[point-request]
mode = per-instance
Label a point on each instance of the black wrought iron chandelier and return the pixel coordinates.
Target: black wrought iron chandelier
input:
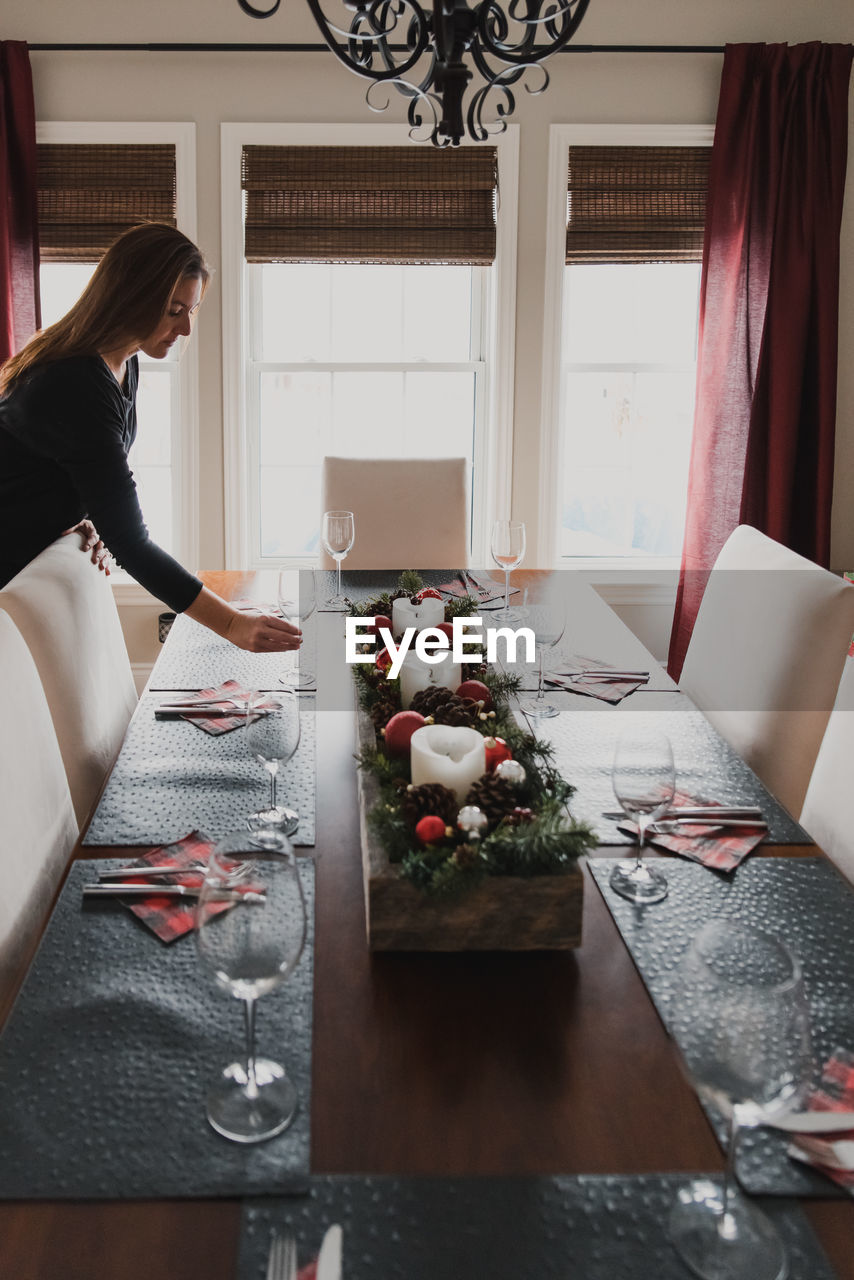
(421, 52)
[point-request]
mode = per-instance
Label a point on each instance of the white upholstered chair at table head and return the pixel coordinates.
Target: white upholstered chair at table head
(63, 606)
(410, 513)
(827, 811)
(37, 824)
(766, 656)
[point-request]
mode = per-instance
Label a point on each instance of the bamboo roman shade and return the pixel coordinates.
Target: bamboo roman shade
(370, 204)
(636, 204)
(88, 194)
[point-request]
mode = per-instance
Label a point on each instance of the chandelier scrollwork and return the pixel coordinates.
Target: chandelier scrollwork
(429, 55)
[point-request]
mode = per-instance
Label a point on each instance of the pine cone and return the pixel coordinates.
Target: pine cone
(494, 796)
(430, 797)
(444, 706)
(466, 855)
(386, 706)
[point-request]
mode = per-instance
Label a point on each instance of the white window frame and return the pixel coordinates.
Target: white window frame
(492, 463)
(561, 137)
(185, 441)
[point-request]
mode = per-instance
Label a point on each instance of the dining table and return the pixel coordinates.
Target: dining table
(423, 1064)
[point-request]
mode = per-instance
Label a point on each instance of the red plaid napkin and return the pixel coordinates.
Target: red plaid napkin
(601, 687)
(226, 694)
(308, 1272)
(721, 848)
(835, 1092)
(482, 591)
(170, 918)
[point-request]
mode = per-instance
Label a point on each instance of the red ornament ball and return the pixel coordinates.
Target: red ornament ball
(477, 691)
(430, 830)
(427, 593)
(496, 751)
(448, 628)
(381, 621)
(399, 731)
(383, 660)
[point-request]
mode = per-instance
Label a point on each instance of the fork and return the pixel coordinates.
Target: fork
(282, 1258)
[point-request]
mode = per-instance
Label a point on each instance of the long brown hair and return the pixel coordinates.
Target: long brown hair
(123, 302)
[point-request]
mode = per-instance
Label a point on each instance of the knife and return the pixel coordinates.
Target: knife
(148, 873)
(115, 890)
(329, 1258)
(698, 811)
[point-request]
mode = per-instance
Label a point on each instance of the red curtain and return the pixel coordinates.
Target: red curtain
(765, 416)
(20, 313)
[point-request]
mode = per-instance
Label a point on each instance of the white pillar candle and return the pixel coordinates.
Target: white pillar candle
(429, 613)
(453, 755)
(415, 675)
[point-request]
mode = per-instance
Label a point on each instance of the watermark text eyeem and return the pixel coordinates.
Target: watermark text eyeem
(466, 644)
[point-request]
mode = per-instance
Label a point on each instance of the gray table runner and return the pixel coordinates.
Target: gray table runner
(593, 1228)
(805, 903)
(706, 765)
(108, 1053)
(172, 778)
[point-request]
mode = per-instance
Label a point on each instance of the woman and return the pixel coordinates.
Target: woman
(68, 419)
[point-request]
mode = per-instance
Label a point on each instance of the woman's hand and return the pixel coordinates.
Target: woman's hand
(91, 542)
(263, 633)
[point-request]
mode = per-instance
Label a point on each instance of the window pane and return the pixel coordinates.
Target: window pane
(631, 313)
(60, 285)
(295, 418)
(290, 510)
(626, 444)
(153, 444)
(358, 312)
(439, 415)
(154, 486)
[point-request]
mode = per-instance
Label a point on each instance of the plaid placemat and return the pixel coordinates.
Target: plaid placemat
(219, 700)
(834, 1092)
(171, 918)
(721, 848)
(606, 688)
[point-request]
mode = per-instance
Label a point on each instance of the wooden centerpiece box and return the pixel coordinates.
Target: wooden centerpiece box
(500, 913)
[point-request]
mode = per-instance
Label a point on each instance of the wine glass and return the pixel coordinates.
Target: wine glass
(273, 738)
(744, 1036)
(250, 932)
(337, 537)
(644, 779)
(507, 545)
(548, 623)
(298, 607)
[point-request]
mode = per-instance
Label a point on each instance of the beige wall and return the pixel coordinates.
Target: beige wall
(208, 88)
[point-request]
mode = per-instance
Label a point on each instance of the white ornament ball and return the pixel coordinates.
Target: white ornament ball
(511, 771)
(472, 819)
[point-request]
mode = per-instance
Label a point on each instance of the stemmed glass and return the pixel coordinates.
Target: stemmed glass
(298, 609)
(548, 623)
(337, 537)
(250, 932)
(273, 738)
(744, 1035)
(644, 779)
(507, 546)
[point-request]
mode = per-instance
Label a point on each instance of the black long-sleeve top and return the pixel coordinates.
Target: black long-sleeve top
(65, 432)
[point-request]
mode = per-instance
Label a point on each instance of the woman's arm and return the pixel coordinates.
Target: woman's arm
(260, 633)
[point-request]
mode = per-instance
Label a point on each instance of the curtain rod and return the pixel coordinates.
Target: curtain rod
(322, 48)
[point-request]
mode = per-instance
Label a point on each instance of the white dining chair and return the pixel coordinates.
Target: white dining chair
(38, 829)
(410, 513)
(766, 656)
(64, 608)
(827, 812)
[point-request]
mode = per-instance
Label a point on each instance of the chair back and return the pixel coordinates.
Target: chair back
(410, 513)
(766, 656)
(64, 608)
(826, 814)
(38, 829)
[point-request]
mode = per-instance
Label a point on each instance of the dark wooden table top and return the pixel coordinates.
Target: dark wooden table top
(428, 1063)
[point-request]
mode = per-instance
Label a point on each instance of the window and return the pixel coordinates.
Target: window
(387, 351)
(94, 182)
(625, 360)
